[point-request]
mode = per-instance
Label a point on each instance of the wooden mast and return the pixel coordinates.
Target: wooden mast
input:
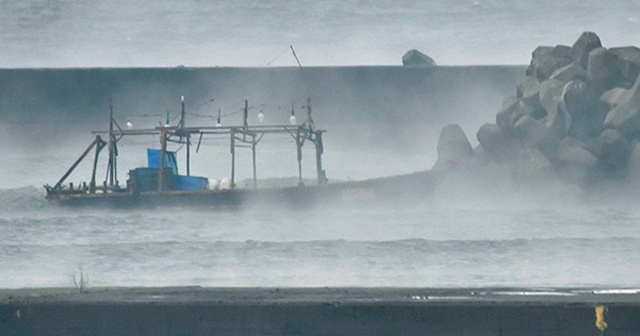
(163, 151)
(233, 157)
(322, 177)
(253, 159)
(112, 159)
(299, 144)
(188, 135)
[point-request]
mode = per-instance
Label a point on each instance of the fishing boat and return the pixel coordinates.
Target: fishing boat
(160, 183)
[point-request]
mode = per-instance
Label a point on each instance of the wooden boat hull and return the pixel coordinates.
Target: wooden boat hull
(394, 189)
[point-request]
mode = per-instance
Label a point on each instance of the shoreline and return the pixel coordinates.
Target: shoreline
(273, 295)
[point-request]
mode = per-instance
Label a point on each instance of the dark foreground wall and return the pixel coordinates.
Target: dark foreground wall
(315, 312)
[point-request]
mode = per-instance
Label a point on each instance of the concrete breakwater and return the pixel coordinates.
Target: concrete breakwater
(576, 117)
(328, 311)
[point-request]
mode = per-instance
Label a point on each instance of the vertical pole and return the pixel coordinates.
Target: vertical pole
(322, 178)
(182, 113)
(189, 155)
(309, 119)
(111, 145)
(253, 152)
(299, 151)
(245, 115)
(233, 158)
(183, 122)
(106, 177)
(163, 151)
(115, 161)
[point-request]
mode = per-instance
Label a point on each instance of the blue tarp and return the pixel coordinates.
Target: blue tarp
(182, 182)
(153, 159)
(147, 177)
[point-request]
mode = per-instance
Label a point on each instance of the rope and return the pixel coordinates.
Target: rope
(273, 60)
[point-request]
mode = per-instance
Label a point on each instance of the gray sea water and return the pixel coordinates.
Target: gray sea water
(463, 238)
(45, 33)
(431, 244)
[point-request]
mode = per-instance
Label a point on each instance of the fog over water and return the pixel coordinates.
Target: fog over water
(380, 121)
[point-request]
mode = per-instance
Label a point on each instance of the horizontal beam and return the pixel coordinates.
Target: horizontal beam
(251, 130)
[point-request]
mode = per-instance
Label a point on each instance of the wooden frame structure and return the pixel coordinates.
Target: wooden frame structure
(243, 135)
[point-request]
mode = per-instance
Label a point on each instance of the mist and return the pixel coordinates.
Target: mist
(380, 121)
(64, 63)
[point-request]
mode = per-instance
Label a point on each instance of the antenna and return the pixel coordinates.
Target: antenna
(245, 115)
(182, 112)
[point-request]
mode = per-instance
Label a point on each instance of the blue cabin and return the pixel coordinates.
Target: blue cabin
(146, 178)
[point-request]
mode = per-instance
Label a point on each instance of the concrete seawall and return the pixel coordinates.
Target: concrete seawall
(380, 100)
(329, 311)
(395, 93)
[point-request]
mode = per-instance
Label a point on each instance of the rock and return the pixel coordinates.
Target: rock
(625, 115)
(589, 123)
(512, 110)
(550, 92)
(496, 144)
(602, 69)
(529, 92)
(629, 64)
(574, 115)
(624, 118)
(546, 60)
(504, 116)
(558, 120)
(561, 51)
(612, 97)
(573, 162)
(532, 133)
(417, 59)
(569, 72)
(532, 166)
(535, 56)
(453, 146)
(583, 46)
(612, 149)
(631, 96)
(479, 152)
(576, 97)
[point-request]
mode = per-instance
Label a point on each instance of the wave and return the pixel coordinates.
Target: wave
(411, 262)
(23, 198)
(416, 245)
